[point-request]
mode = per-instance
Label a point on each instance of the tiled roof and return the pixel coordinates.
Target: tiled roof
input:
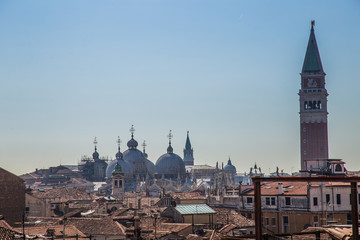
(97, 226)
(187, 195)
(186, 209)
(232, 216)
(4, 224)
(70, 230)
(63, 194)
(271, 188)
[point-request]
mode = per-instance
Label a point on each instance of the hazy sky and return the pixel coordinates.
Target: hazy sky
(227, 71)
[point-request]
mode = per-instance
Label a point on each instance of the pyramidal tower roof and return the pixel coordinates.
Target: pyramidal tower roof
(187, 144)
(312, 61)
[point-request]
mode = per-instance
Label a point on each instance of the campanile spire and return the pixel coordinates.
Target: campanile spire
(313, 107)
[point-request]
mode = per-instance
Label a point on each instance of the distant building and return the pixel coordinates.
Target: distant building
(93, 169)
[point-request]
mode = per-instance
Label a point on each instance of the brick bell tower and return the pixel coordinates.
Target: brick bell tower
(313, 106)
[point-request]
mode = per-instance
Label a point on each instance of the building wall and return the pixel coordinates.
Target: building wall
(35, 207)
(12, 197)
(191, 201)
(199, 219)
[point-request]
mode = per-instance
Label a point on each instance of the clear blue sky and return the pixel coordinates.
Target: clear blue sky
(227, 71)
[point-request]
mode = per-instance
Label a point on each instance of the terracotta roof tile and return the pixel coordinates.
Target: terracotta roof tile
(97, 226)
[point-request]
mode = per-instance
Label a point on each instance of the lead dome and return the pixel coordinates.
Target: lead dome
(170, 164)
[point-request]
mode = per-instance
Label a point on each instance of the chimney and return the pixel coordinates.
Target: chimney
(280, 188)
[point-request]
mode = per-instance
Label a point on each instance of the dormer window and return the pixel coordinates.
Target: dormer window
(338, 168)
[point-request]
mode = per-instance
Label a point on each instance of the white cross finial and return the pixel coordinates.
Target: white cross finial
(132, 130)
(170, 136)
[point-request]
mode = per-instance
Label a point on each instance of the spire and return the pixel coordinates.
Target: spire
(170, 149)
(312, 61)
(144, 145)
(132, 143)
(229, 161)
(188, 144)
(188, 152)
(95, 143)
(119, 155)
(95, 154)
(132, 130)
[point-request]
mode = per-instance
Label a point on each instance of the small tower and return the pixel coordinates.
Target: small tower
(118, 182)
(188, 152)
(313, 107)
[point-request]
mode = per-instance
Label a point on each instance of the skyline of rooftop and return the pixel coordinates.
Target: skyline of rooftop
(226, 72)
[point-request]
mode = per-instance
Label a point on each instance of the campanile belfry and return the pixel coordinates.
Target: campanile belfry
(313, 106)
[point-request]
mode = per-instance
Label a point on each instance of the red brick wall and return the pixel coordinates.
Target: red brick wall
(12, 197)
(316, 144)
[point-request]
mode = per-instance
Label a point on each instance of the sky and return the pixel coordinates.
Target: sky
(226, 71)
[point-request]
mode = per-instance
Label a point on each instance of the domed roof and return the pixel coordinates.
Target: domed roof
(229, 166)
(137, 160)
(170, 163)
(132, 143)
(117, 168)
(95, 155)
(125, 168)
(119, 155)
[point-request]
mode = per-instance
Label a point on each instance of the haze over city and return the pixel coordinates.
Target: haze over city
(227, 71)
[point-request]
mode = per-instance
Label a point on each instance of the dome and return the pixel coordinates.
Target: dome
(95, 155)
(137, 161)
(170, 163)
(229, 166)
(125, 168)
(117, 168)
(119, 155)
(132, 143)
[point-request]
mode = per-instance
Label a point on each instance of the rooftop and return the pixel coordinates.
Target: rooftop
(186, 209)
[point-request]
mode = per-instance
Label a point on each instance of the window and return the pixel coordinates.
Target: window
(287, 201)
(273, 222)
(316, 221)
(315, 201)
(338, 168)
(249, 200)
(249, 216)
(285, 220)
(348, 218)
(272, 201)
(338, 199)
(266, 221)
(267, 201)
(327, 196)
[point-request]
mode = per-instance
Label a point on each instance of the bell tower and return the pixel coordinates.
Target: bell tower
(313, 107)
(188, 152)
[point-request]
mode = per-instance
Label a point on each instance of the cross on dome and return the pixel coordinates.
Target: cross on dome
(132, 130)
(170, 136)
(95, 142)
(144, 145)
